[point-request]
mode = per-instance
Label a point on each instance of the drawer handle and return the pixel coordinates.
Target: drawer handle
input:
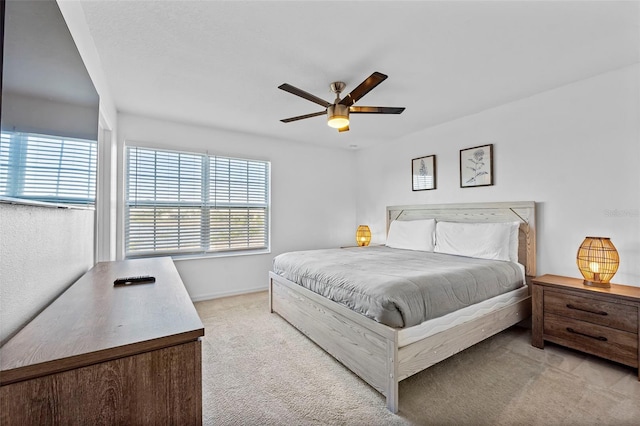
(601, 338)
(570, 306)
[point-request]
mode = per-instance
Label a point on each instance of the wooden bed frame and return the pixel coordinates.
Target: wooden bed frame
(381, 355)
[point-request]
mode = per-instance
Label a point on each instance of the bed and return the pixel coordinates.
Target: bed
(383, 355)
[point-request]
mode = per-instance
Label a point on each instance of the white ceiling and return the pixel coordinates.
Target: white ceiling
(219, 63)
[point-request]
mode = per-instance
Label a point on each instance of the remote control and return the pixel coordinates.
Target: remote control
(141, 279)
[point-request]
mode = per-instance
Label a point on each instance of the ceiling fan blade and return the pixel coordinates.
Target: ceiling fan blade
(302, 117)
(343, 129)
(375, 110)
(306, 95)
(364, 88)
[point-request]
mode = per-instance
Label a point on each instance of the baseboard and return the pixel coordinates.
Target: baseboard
(219, 295)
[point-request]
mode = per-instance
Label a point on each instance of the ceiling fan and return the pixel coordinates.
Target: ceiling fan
(338, 111)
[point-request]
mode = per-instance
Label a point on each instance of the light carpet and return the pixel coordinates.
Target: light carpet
(259, 370)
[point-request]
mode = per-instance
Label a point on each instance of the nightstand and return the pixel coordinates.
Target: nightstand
(599, 321)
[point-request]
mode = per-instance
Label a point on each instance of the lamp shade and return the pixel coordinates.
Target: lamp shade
(598, 261)
(338, 116)
(363, 235)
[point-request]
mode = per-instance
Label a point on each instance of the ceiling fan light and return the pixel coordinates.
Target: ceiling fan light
(338, 116)
(338, 122)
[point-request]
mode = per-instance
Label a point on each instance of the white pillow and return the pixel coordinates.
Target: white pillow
(514, 241)
(481, 240)
(412, 234)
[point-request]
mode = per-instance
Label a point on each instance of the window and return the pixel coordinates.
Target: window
(47, 168)
(188, 203)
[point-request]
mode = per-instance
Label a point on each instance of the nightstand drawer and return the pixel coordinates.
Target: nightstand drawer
(616, 345)
(615, 315)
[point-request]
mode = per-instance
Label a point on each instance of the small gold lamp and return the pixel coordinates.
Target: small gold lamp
(598, 261)
(363, 235)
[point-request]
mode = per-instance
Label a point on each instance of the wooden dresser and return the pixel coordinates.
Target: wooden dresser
(599, 321)
(108, 355)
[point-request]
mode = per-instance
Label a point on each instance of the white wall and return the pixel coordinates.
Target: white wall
(74, 17)
(312, 198)
(574, 150)
(42, 251)
(106, 186)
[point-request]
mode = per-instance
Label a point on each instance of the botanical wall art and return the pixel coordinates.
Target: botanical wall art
(423, 173)
(476, 166)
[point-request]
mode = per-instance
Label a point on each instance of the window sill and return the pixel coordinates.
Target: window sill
(222, 254)
(198, 256)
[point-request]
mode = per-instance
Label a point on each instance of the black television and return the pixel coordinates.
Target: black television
(46, 88)
(46, 91)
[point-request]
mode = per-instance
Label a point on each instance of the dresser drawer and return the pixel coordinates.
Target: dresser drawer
(606, 342)
(596, 311)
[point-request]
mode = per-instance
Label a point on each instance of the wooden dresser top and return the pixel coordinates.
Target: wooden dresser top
(93, 321)
(620, 291)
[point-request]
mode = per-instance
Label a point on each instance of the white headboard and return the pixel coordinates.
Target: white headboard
(521, 211)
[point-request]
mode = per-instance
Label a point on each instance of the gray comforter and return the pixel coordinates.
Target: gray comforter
(399, 288)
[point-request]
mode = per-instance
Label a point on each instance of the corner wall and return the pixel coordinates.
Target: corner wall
(575, 150)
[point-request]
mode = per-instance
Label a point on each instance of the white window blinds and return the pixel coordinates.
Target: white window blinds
(187, 203)
(47, 168)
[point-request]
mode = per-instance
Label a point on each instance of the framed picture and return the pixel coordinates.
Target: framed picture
(423, 173)
(476, 166)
